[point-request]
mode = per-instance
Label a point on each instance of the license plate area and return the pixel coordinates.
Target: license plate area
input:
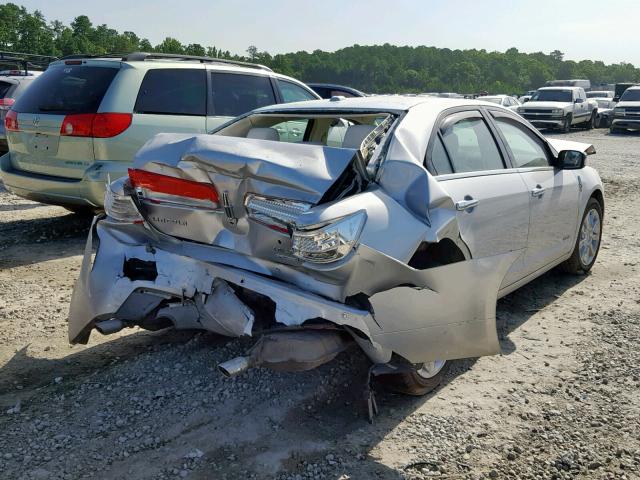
(44, 145)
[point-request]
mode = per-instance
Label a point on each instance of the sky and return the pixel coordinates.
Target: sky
(582, 29)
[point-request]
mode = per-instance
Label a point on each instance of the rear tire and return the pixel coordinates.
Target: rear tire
(420, 380)
(588, 242)
(566, 124)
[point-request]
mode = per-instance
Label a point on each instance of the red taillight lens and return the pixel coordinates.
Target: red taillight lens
(158, 183)
(97, 125)
(107, 125)
(78, 125)
(5, 103)
(11, 121)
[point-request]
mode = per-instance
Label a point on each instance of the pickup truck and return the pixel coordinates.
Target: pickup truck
(560, 108)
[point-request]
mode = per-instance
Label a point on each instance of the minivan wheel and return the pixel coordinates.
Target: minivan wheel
(566, 124)
(588, 242)
(419, 380)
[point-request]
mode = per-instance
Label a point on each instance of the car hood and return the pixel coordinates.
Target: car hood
(627, 104)
(532, 104)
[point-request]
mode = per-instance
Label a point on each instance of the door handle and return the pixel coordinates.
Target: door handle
(538, 191)
(466, 204)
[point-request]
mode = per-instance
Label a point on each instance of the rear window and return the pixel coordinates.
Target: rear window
(233, 94)
(67, 89)
(173, 91)
(4, 88)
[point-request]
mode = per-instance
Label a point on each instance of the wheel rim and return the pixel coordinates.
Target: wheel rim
(431, 369)
(589, 237)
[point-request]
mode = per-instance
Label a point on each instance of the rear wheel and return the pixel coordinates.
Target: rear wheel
(587, 245)
(566, 124)
(420, 380)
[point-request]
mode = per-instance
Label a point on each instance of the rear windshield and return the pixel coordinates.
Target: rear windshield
(4, 88)
(67, 89)
(631, 96)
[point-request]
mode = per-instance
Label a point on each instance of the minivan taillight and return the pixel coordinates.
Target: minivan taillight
(11, 121)
(97, 125)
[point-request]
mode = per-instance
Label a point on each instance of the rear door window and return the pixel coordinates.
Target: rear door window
(67, 89)
(294, 93)
(173, 91)
(233, 94)
(470, 145)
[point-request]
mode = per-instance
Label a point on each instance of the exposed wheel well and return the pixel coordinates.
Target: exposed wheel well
(429, 255)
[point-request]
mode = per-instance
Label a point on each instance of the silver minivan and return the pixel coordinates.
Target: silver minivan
(82, 121)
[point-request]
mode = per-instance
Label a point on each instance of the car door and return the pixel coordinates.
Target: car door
(492, 201)
(232, 94)
(580, 106)
(553, 193)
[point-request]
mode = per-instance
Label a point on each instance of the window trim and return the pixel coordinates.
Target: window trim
(211, 112)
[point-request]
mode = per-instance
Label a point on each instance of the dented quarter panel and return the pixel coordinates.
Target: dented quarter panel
(421, 320)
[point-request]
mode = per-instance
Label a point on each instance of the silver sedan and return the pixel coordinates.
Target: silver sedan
(390, 223)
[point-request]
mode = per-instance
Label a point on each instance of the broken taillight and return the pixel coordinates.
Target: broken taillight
(159, 188)
(276, 213)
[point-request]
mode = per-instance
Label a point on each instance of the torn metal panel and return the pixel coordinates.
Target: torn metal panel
(443, 313)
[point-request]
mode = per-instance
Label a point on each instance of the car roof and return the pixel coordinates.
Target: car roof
(374, 102)
(561, 88)
(501, 95)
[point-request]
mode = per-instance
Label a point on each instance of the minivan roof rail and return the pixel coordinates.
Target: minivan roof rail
(27, 60)
(142, 56)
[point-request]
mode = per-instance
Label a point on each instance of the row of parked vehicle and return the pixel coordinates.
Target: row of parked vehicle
(390, 223)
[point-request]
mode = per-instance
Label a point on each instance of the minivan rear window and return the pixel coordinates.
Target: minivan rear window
(173, 91)
(67, 89)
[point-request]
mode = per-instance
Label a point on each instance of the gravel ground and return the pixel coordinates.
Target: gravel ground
(561, 401)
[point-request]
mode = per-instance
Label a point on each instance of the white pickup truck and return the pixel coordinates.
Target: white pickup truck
(560, 107)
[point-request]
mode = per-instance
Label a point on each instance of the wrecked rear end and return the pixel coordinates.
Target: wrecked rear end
(309, 247)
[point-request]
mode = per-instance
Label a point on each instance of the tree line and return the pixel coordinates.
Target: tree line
(375, 68)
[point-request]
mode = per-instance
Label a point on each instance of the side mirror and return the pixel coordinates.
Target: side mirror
(579, 100)
(525, 100)
(571, 160)
(616, 99)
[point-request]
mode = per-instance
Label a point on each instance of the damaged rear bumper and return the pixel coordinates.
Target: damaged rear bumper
(124, 278)
(443, 313)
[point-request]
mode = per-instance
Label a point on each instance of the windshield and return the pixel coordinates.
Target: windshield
(631, 96)
(552, 96)
(497, 100)
(67, 89)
